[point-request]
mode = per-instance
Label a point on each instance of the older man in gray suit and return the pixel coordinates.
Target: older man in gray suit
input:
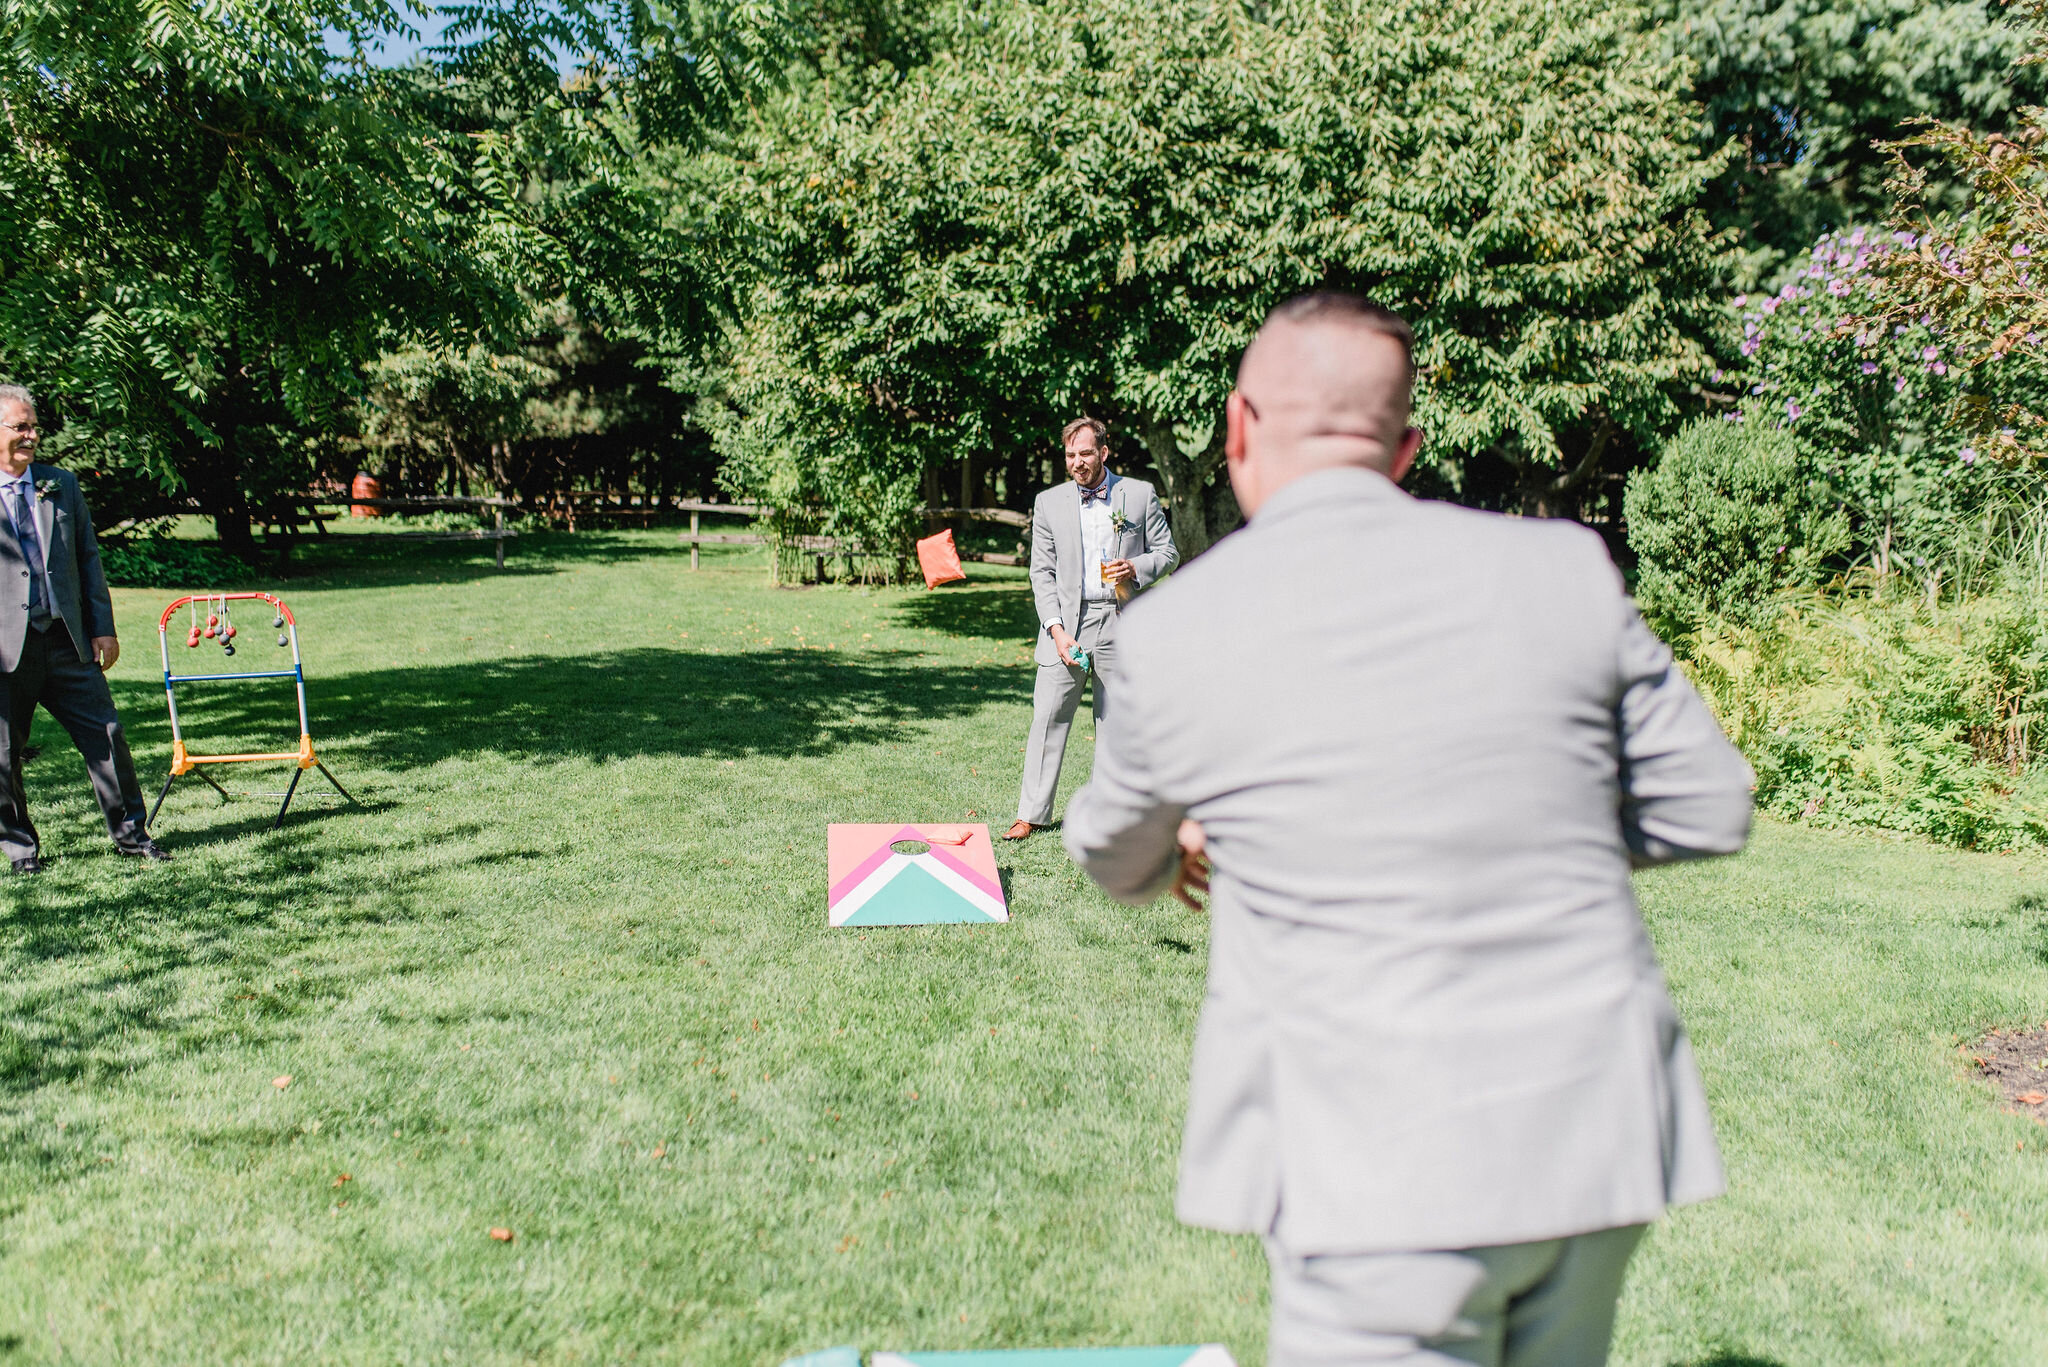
(1413, 750)
(1095, 541)
(56, 641)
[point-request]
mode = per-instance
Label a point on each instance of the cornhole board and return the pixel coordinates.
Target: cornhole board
(954, 881)
(1195, 1355)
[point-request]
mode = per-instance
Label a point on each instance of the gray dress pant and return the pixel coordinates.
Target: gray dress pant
(1054, 697)
(76, 694)
(1547, 1304)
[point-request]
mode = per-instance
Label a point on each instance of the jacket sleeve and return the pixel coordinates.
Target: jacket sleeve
(1685, 789)
(1045, 588)
(1119, 828)
(93, 599)
(1157, 562)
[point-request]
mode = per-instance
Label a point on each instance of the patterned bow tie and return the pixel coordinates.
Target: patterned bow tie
(1099, 492)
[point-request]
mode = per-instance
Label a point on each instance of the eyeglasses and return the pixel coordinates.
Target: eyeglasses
(23, 428)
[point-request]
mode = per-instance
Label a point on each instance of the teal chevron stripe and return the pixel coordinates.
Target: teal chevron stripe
(915, 898)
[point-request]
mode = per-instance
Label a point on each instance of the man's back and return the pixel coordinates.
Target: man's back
(1434, 1017)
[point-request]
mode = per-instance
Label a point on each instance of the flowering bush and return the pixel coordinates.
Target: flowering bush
(1868, 398)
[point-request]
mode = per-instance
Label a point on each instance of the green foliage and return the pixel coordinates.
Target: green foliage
(1863, 713)
(1722, 522)
(1090, 206)
(167, 562)
(1972, 270)
(1805, 89)
(209, 223)
(1868, 393)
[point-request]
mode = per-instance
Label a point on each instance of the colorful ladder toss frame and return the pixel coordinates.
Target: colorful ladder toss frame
(951, 881)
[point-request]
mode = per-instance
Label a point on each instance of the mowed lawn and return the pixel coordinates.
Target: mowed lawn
(566, 973)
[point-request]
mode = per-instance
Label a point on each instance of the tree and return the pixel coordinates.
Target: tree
(209, 223)
(1807, 89)
(1090, 206)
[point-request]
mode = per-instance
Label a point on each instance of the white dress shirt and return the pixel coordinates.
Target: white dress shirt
(1098, 543)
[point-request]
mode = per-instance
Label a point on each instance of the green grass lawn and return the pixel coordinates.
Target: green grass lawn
(566, 972)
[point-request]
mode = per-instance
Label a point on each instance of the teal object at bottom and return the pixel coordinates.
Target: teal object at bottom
(1055, 1357)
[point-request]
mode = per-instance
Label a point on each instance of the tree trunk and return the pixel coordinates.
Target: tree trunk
(1187, 481)
(1544, 494)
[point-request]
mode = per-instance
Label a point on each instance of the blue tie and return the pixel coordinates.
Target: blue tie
(24, 515)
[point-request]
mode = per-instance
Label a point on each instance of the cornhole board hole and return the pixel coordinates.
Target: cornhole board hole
(911, 874)
(1194, 1355)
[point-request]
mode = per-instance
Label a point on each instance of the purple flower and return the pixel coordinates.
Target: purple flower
(2021, 249)
(1770, 306)
(1930, 353)
(1838, 288)
(1899, 385)
(1792, 410)
(1789, 292)
(1870, 367)
(2033, 338)
(1749, 345)
(1939, 368)
(1741, 300)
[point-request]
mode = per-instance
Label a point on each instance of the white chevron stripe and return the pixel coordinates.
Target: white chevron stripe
(881, 878)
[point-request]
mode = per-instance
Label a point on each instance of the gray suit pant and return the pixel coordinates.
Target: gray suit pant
(1054, 697)
(76, 694)
(1547, 1304)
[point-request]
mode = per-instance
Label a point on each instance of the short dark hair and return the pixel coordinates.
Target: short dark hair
(1095, 425)
(1343, 306)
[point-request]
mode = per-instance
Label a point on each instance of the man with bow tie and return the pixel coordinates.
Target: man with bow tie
(56, 641)
(1095, 541)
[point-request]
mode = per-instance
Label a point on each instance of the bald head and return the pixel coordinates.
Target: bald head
(1325, 383)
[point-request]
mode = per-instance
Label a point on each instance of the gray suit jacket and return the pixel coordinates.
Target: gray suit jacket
(1056, 570)
(1426, 744)
(78, 587)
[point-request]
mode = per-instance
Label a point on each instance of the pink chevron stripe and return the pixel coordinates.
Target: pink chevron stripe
(974, 876)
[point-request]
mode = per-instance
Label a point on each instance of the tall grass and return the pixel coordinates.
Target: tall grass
(1912, 700)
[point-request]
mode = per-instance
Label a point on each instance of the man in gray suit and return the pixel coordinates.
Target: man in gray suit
(1095, 541)
(56, 641)
(1412, 751)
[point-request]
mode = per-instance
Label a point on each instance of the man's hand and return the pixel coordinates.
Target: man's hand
(1119, 572)
(106, 650)
(1063, 641)
(1191, 879)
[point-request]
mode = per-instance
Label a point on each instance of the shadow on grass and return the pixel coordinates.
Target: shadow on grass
(611, 705)
(1001, 612)
(1727, 1359)
(115, 1006)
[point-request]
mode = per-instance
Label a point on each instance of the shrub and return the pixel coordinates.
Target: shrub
(1864, 713)
(165, 562)
(1721, 523)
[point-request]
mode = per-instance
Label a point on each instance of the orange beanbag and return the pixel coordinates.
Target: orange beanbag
(939, 561)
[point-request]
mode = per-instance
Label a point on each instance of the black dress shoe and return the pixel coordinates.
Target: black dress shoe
(28, 865)
(150, 852)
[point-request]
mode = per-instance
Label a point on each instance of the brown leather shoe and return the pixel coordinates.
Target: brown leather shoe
(1019, 830)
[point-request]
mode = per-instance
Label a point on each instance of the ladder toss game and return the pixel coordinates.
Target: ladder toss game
(211, 618)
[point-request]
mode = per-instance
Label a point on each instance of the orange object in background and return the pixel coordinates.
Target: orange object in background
(363, 486)
(939, 560)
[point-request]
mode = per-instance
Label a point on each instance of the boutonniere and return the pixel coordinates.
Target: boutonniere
(1118, 521)
(46, 489)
